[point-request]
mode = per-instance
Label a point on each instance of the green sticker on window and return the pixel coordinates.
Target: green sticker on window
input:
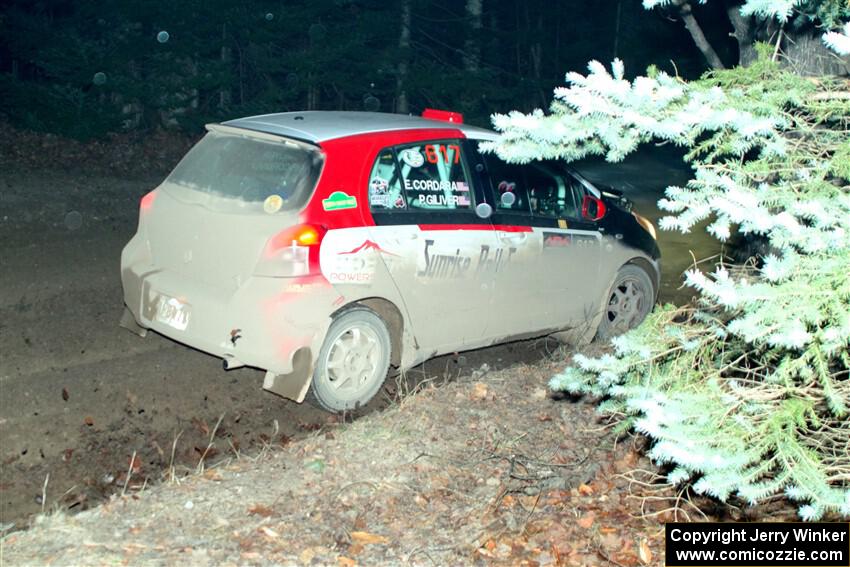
(339, 200)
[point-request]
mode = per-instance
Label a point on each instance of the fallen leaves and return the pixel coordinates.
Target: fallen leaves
(89, 421)
(202, 426)
(260, 510)
(135, 463)
(65, 395)
(367, 538)
(479, 391)
(587, 520)
(268, 532)
(644, 553)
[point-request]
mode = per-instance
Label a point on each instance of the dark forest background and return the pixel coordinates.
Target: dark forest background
(86, 68)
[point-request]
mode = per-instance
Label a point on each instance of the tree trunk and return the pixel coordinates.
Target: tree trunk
(617, 28)
(687, 15)
(744, 33)
(226, 57)
(402, 104)
(805, 54)
(472, 46)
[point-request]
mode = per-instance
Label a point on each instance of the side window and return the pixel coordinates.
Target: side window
(385, 184)
(434, 176)
(551, 193)
(507, 177)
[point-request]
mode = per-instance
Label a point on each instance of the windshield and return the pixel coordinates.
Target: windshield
(226, 170)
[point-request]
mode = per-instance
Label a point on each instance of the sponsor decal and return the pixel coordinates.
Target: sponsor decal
(399, 202)
(382, 201)
(302, 287)
(378, 193)
(367, 245)
(457, 265)
(272, 204)
(436, 185)
(355, 266)
(441, 152)
(339, 200)
(563, 240)
(412, 157)
(556, 239)
(435, 200)
(378, 186)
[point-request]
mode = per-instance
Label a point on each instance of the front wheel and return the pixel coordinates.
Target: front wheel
(353, 361)
(629, 302)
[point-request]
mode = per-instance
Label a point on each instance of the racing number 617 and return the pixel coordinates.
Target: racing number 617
(434, 153)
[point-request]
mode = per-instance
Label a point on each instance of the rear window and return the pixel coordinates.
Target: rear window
(417, 177)
(246, 173)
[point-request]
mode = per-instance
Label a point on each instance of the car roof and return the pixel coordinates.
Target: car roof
(317, 126)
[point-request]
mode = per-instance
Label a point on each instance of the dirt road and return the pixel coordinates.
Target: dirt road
(83, 402)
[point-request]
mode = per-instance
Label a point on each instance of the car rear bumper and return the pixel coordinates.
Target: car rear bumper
(263, 322)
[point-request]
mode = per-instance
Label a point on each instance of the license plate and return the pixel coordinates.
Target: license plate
(173, 312)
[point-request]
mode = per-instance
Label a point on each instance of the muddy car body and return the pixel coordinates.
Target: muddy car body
(325, 247)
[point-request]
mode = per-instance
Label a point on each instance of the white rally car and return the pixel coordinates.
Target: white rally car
(327, 247)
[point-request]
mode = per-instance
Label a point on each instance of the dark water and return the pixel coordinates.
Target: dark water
(643, 177)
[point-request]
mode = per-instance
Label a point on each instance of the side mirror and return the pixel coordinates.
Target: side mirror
(592, 209)
(483, 210)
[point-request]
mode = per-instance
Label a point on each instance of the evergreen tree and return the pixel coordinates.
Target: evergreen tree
(745, 392)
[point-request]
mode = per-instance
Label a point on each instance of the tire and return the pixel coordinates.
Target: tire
(630, 300)
(353, 361)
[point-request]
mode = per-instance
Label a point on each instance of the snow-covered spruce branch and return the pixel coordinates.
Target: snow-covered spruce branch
(839, 41)
(749, 394)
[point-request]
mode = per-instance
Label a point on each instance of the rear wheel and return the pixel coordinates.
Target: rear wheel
(629, 302)
(353, 361)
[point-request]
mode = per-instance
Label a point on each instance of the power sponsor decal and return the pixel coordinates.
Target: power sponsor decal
(355, 266)
(339, 200)
(367, 245)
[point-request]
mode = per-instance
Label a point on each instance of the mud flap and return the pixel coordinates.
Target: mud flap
(128, 321)
(295, 384)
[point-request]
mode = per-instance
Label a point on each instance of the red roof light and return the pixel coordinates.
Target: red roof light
(443, 115)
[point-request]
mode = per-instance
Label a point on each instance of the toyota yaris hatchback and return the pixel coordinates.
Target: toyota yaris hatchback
(328, 247)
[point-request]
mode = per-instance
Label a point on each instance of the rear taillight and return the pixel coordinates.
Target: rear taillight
(147, 201)
(292, 252)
